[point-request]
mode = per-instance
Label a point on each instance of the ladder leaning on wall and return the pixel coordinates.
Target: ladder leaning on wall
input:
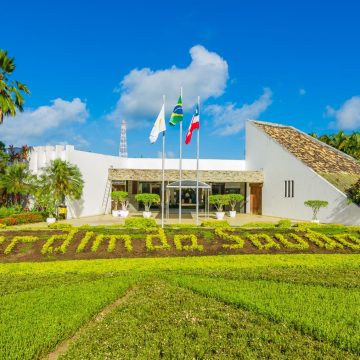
(106, 197)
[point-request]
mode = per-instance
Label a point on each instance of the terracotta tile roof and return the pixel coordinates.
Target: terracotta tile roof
(318, 156)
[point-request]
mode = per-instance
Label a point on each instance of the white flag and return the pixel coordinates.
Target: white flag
(159, 126)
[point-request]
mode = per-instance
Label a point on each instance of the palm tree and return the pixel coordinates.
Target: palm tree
(11, 91)
(17, 181)
(62, 180)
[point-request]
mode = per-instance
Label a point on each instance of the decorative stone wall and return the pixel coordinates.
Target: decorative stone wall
(173, 175)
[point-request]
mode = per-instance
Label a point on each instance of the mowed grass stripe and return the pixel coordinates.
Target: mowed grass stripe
(160, 320)
(328, 314)
(32, 323)
(343, 276)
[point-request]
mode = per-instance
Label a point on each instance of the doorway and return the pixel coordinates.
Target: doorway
(256, 199)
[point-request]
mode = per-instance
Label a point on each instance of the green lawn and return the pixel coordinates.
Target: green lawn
(223, 307)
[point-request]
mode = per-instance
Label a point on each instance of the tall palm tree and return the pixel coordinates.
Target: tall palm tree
(11, 91)
(17, 181)
(63, 180)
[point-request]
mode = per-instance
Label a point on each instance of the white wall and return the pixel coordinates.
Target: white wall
(94, 168)
(263, 153)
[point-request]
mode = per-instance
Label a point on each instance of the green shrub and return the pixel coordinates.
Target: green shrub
(259, 225)
(194, 244)
(148, 199)
(120, 197)
(60, 226)
(6, 212)
(284, 224)
(316, 205)
(140, 223)
(233, 199)
(219, 201)
(215, 223)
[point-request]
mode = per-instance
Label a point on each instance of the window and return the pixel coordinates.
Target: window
(289, 188)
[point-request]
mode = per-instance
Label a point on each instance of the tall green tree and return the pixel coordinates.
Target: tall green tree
(11, 91)
(17, 181)
(62, 180)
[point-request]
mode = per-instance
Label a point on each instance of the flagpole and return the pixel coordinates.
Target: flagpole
(197, 166)
(180, 165)
(163, 172)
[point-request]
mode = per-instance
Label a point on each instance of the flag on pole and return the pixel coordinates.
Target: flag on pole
(194, 124)
(177, 114)
(159, 126)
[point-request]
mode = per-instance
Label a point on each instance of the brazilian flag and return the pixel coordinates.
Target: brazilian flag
(177, 114)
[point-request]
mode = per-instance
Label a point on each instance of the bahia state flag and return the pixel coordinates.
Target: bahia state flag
(159, 126)
(195, 124)
(177, 114)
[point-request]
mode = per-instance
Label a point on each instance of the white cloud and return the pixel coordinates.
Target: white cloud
(142, 89)
(302, 92)
(33, 125)
(229, 119)
(347, 117)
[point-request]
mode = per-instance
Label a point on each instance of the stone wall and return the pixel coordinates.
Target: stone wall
(173, 175)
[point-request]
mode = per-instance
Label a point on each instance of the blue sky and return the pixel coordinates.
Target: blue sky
(89, 64)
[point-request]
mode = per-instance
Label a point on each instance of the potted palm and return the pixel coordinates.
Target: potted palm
(234, 199)
(219, 201)
(147, 200)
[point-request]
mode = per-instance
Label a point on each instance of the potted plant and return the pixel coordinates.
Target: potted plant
(147, 200)
(316, 205)
(115, 198)
(233, 199)
(45, 203)
(219, 201)
(124, 202)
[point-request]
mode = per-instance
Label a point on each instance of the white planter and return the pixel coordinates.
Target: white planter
(232, 214)
(220, 215)
(50, 220)
(124, 213)
(115, 213)
(147, 214)
(315, 221)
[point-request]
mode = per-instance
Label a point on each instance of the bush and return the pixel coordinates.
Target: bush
(120, 197)
(353, 193)
(267, 225)
(59, 226)
(28, 217)
(219, 201)
(148, 199)
(316, 205)
(284, 224)
(215, 223)
(140, 223)
(8, 221)
(6, 212)
(233, 199)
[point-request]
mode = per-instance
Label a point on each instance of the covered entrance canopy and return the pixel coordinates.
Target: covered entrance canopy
(189, 184)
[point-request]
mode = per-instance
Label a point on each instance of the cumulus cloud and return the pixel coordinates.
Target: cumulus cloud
(142, 89)
(34, 124)
(347, 117)
(229, 119)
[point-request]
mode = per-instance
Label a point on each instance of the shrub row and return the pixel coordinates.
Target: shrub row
(22, 218)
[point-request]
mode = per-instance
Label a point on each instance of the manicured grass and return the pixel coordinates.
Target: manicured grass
(236, 306)
(36, 315)
(162, 321)
(330, 314)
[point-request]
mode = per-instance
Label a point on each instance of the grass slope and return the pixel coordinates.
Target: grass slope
(163, 321)
(246, 306)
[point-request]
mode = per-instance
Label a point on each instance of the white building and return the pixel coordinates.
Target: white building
(283, 167)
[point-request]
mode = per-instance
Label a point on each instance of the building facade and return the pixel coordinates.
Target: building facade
(283, 167)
